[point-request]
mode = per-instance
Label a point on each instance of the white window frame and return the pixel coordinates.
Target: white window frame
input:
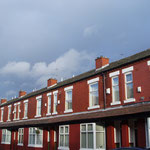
(38, 99)
(15, 111)
(91, 82)
(55, 100)
(2, 114)
(148, 62)
(18, 116)
(130, 99)
(8, 133)
(63, 134)
(35, 145)
(25, 109)
(114, 102)
(9, 113)
(49, 104)
(68, 89)
(94, 136)
(21, 134)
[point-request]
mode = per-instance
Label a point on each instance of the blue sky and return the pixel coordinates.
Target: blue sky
(55, 38)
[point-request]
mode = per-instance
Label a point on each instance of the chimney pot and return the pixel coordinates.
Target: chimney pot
(51, 82)
(101, 62)
(22, 93)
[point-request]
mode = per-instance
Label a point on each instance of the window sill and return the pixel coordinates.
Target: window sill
(8, 120)
(115, 103)
(129, 100)
(25, 118)
(55, 113)
(1, 121)
(35, 146)
(37, 116)
(20, 144)
(5, 143)
(93, 107)
(48, 114)
(68, 111)
(63, 148)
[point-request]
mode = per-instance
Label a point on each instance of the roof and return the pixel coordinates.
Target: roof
(111, 66)
(138, 110)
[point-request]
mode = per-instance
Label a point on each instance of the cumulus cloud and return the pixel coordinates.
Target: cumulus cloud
(90, 30)
(72, 62)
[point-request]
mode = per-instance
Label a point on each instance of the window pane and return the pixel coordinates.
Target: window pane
(66, 140)
(115, 81)
(90, 127)
(61, 140)
(39, 139)
(94, 87)
(66, 130)
(99, 140)
(83, 128)
(83, 140)
(90, 139)
(128, 77)
(116, 93)
(129, 90)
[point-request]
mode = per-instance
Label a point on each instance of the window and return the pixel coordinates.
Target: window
(92, 136)
(55, 102)
(20, 136)
(6, 136)
(15, 111)
(35, 137)
(25, 109)
(38, 106)
(64, 136)
(115, 89)
(2, 113)
(9, 113)
(49, 103)
(129, 85)
(18, 111)
(68, 99)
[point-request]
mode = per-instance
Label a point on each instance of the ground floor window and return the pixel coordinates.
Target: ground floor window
(92, 136)
(64, 136)
(35, 137)
(20, 136)
(6, 136)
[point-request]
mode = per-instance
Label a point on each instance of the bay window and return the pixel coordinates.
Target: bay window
(35, 137)
(64, 136)
(6, 136)
(20, 136)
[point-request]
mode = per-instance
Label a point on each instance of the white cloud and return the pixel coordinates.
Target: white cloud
(72, 62)
(90, 30)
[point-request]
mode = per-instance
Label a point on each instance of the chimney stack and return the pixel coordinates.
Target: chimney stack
(3, 100)
(22, 93)
(51, 82)
(101, 62)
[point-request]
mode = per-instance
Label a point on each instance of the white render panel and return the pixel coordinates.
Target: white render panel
(148, 63)
(55, 92)
(68, 88)
(48, 94)
(38, 97)
(93, 80)
(127, 69)
(112, 74)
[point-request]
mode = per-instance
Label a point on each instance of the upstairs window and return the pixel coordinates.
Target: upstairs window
(68, 99)
(20, 136)
(38, 106)
(19, 111)
(9, 113)
(55, 102)
(35, 137)
(115, 89)
(25, 109)
(49, 103)
(6, 136)
(129, 85)
(2, 114)
(64, 136)
(15, 111)
(93, 93)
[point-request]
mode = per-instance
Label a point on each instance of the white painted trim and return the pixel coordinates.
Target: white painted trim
(5, 142)
(115, 103)
(39, 97)
(102, 67)
(127, 69)
(48, 114)
(54, 113)
(26, 101)
(25, 118)
(18, 103)
(148, 63)
(15, 104)
(48, 94)
(31, 145)
(112, 74)
(55, 92)
(68, 88)
(68, 111)
(52, 85)
(93, 80)
(129, 100)
(63, 148)
(9, 106)
(2, 108)
(20, 144)
(93, 107)
(37, 116)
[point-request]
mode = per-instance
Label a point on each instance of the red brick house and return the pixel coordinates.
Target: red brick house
(104, 108)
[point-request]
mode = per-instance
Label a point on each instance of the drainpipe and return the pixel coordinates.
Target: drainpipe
(104, 90)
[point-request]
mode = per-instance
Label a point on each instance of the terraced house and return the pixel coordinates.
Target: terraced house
(104, 108)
